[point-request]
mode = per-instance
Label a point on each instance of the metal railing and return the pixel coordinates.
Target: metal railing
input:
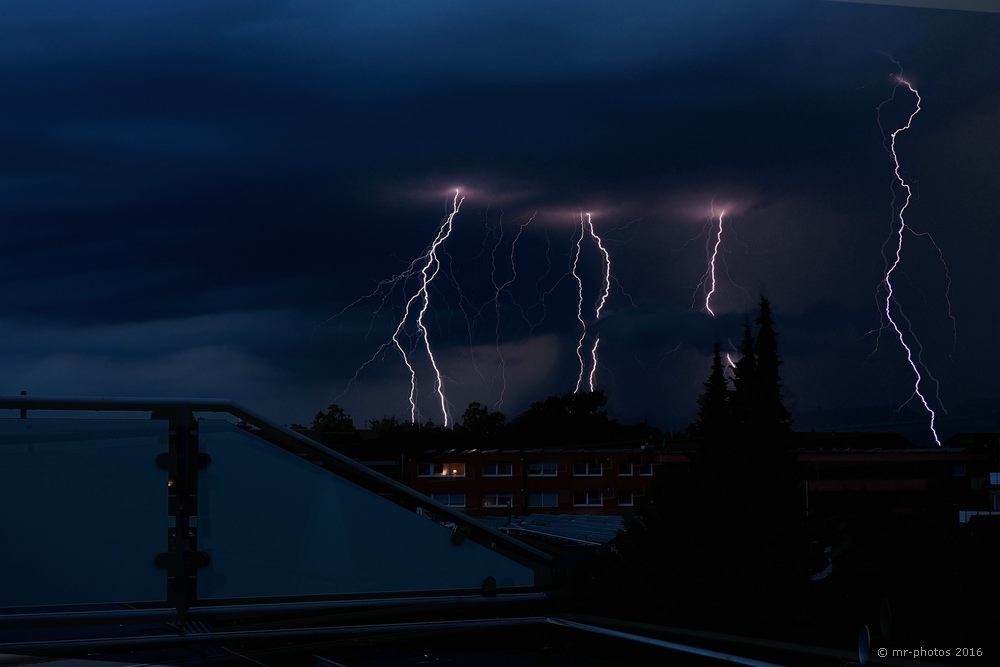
(186, 464)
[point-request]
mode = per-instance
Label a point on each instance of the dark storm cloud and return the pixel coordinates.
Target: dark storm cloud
(204, 185)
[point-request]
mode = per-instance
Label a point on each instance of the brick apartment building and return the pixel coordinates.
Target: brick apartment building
(541, 481)
(838, 474)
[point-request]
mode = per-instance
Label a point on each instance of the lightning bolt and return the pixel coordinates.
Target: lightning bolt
(714, 257)
(411, 337)
(711, 266)
(593, 364)
(729, 361)
(428, 272)
(500, 289)
(574, 271)
(587, 227)
(425, 269)
(603, 299)
(912, 358)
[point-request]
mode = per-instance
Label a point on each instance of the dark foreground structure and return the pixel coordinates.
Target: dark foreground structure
(195, 532)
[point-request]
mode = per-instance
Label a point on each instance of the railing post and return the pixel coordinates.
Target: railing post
(182, 462)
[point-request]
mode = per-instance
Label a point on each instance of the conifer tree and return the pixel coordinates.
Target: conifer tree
(714, 420)
(743, 399)
(772, 417)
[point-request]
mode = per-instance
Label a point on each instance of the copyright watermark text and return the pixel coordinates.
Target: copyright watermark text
(923, 652)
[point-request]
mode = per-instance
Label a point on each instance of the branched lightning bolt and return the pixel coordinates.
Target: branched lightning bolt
(500, 289)
(713, 257)
(424, 268)
(603, 299)
(912, 358)
(411, 336)
(428, 272)
(579, 302)
(587, 227)
(593, 364)
(711, 266)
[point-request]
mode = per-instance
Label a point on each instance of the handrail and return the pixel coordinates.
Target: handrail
(216, 612)
(295, 442)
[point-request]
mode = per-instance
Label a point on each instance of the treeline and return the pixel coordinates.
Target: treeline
(575, 419)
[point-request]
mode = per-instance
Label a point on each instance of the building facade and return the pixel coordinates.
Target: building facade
(540, 481)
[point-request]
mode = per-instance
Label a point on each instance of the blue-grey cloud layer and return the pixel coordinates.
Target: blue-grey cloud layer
(203, 185)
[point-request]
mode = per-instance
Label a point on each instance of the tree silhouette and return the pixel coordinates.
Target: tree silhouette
(574, 417)
(729, 531)
(714, 414)
(773, 418)
(334, 420)
(754, 408)
(743, 399)
(479, 423)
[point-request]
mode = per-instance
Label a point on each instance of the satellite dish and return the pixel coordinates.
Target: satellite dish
(864, 644)
(884, 618)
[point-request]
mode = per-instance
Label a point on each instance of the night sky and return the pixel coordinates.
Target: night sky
(196, 199)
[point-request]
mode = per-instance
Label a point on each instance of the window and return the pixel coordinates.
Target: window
(588, 499)
(498, 469)
(646, 469)
(440, 470)
(543, 469)
(588, 469)
(629, 498)
(547, 499)
(449, 499)
(625, 469)
(498, 500)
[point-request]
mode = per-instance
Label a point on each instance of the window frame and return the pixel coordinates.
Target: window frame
(588, 499)
(588, 469)
(440, 470)
(545, 495)
(495, 496)
(437, 497)
(543, 467)
(496, 465)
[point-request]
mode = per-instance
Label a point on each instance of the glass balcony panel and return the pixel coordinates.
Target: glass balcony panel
(85, 511)
(276, 524)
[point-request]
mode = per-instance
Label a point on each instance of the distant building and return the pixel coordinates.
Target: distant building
(873, 474)
(839, 474)
(496, 482)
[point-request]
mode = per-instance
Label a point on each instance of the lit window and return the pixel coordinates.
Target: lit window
(625, 469)
(450, 499)
(543, 469)
(498, 469)
(440, 470)
(588, 469)
(588, 499)
(547, 499)
(498, 500)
